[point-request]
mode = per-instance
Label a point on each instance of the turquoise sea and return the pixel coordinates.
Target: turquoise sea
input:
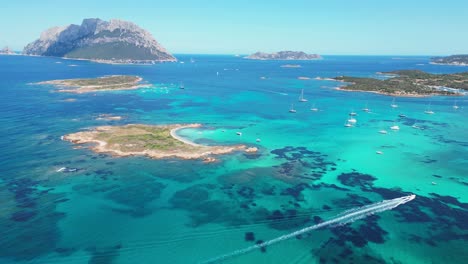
(309, 167)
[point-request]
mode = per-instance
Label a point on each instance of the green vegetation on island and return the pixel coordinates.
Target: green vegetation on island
(461, 60)
(408, 83)
(105, 83)
(154, 141)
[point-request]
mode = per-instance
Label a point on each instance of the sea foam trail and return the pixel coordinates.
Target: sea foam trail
(347, 217)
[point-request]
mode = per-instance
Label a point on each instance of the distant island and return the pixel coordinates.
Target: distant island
(105, 83)
(153, 141)
(113, 41)
(460, 60)
(411, 83)
(7, 51)
(283, 55)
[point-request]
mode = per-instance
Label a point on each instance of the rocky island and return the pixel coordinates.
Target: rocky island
(460, 60)
(105, 83)
(156, 142)
(411, 83)
(283, 55)
(113, 41)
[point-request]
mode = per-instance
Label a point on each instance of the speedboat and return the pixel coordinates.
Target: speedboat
(383, 131)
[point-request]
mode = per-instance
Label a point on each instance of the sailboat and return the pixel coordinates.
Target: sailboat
(455, 106)
(181, 86)
(292, 110)
(348, 124)
(314, 108)
(366, 109)
(301, 98)
(428, 110)
(352, 113)
(393, 105)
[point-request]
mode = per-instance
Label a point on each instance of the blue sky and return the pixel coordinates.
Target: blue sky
(397, 27)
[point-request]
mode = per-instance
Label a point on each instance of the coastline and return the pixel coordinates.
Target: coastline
(341, 88)
(189, 152)
(449, 64)
(112, 62)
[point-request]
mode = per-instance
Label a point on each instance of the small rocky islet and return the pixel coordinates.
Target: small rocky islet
(104, 83)
(283, 55)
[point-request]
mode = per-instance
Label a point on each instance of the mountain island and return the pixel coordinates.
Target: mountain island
(114, 41)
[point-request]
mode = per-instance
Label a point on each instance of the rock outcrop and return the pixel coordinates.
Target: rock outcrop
(113, 41)
(283, 55)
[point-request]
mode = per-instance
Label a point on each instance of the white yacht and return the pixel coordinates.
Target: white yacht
(352, 120)
(395, 127)
(383, 131)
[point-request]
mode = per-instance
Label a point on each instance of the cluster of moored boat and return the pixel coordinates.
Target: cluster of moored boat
(351, 120)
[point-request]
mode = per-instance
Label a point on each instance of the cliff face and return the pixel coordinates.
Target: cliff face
(108, 41)
(283, 55)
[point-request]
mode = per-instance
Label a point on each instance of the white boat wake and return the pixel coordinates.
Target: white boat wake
(344, 218)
